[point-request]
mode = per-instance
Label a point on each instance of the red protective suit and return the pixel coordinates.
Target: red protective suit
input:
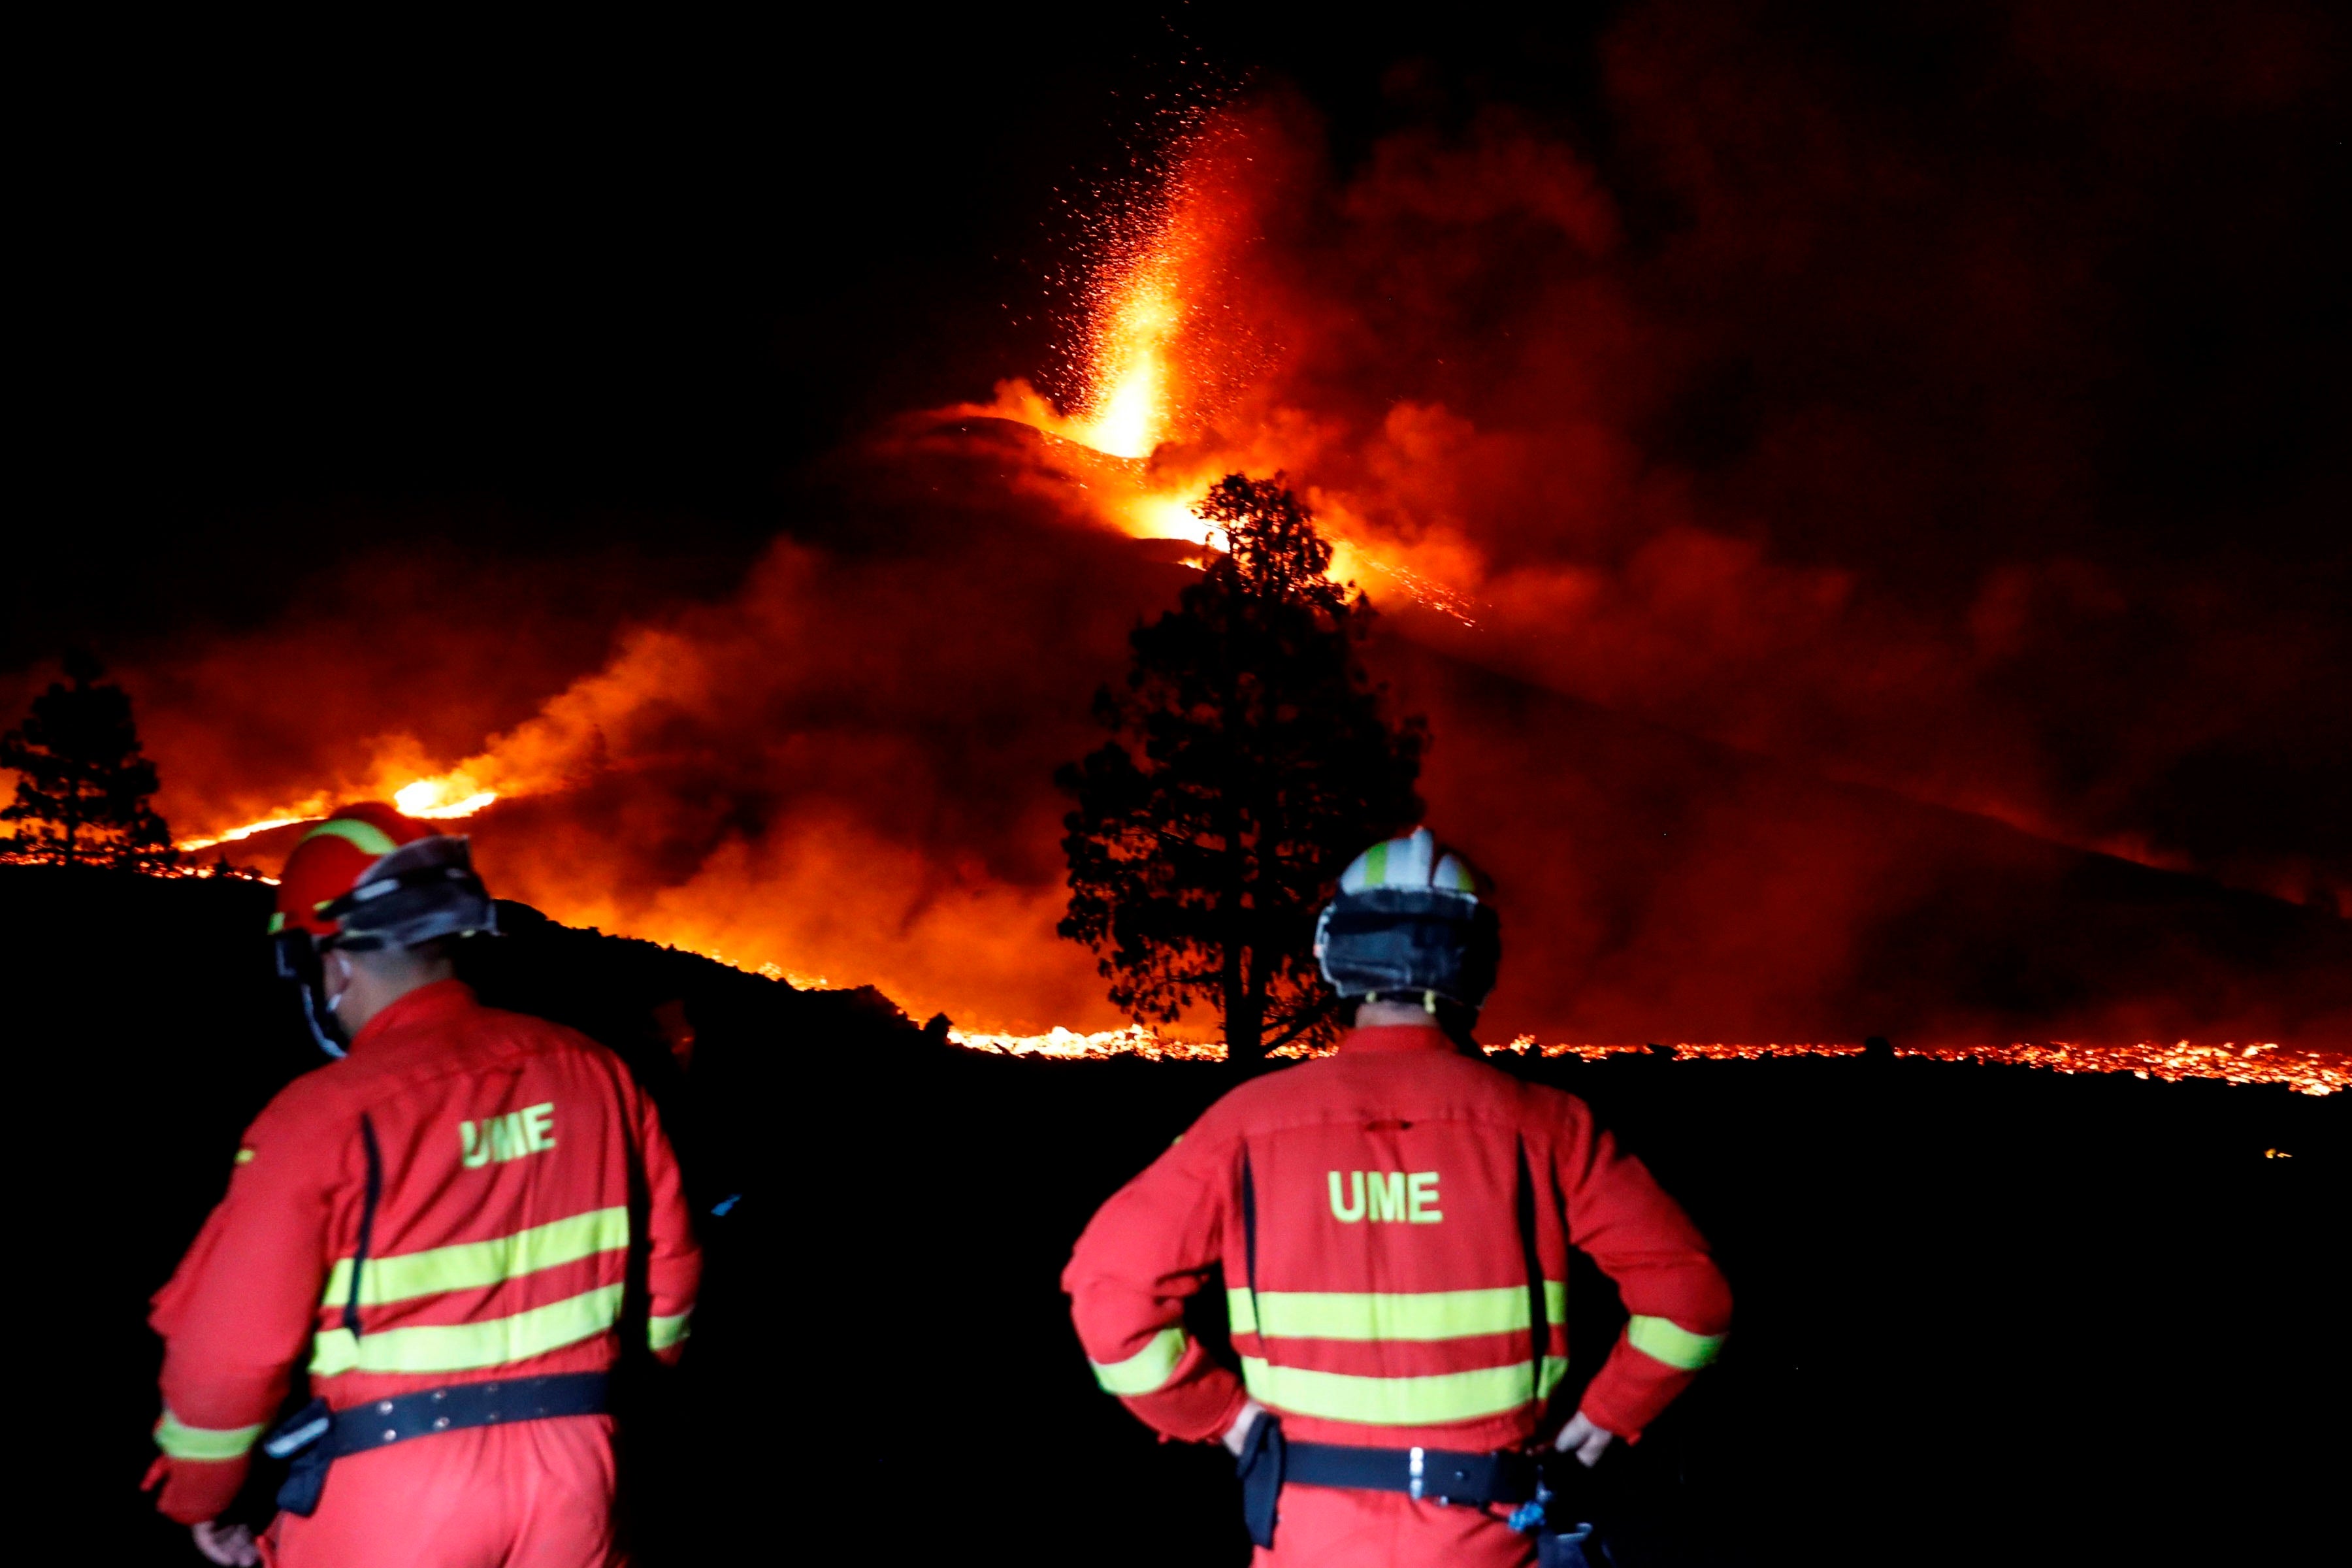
(525, 1181)
(1391, 1299)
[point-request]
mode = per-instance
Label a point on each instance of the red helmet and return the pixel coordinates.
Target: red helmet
(368, 876)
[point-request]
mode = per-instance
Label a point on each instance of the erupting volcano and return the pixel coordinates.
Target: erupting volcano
(1752, 598)
(1760, 763)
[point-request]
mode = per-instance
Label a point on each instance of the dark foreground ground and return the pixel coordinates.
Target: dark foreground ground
(1986, 1315)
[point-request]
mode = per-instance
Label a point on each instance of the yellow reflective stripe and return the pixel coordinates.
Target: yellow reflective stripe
(1399, 1315)
(364, 836)
(661, 1332)
(1376, 865)
(1428, 1401)
(182, 1441)
(1147, 1369)
(1672, 1343)
(277, 922)
(470, 1265)
(463, 1347)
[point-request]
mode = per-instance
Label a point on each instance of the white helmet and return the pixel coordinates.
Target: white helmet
(1408, 923)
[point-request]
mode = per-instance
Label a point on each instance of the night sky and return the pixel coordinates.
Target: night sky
(432, 361)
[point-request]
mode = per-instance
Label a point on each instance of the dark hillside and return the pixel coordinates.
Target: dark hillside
(151, 1029)
(1984, 1311)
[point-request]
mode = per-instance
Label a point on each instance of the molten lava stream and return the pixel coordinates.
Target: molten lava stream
(451, 796)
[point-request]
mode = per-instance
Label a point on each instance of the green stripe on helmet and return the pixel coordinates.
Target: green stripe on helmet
(365, 837)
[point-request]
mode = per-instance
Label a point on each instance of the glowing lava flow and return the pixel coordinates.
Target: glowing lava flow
(1071, 1045)
(450, 796)
(2303, 1071)
(431, 799)
(190, 846)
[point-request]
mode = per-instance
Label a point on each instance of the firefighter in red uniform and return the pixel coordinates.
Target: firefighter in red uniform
(442, 1227)
(1394, 1224)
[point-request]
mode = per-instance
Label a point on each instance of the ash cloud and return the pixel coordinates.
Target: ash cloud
(1964, 424)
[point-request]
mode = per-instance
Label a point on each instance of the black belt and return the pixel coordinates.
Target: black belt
(317, 1435)
(1441, 1475)
(380, 1423)
(1269, 1462)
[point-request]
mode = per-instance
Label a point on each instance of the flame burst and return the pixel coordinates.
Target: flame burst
(1132, 400)
(1164, 366)
(1135, 392)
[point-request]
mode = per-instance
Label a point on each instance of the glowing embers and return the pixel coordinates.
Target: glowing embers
(1172, 398)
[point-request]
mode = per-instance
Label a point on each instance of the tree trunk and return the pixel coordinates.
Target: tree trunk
(1245, 1025)
(1255, 993)
(1244, 1021)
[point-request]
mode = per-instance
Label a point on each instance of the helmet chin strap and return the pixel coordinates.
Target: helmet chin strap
(323, 1030)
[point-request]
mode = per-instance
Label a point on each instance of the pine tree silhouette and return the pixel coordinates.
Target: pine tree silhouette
(82, 788)
(1249, 763)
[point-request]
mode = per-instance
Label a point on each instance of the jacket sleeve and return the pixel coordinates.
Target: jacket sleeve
(1144, 1253)
(673, 1261)
(239, 1313)
(1678, 1302)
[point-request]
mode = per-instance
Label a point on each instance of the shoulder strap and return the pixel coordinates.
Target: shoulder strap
(1249, 1231)
(367, 1222)
(1539, 1325)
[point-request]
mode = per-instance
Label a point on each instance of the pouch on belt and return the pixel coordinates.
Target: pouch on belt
(1261, 1471)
